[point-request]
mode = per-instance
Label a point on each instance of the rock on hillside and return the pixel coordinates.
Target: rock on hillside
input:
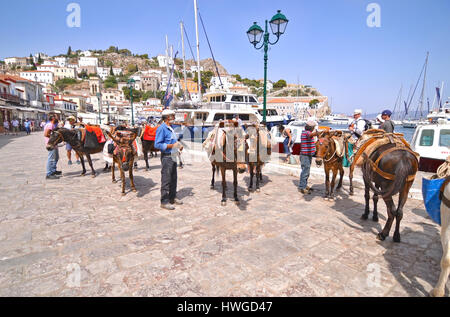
(207, 64)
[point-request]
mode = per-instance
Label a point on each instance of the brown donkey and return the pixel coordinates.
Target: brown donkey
(389, 170)
(331, 153)
(228, 153)
(123, 156)
(258, 151)
(72, 137)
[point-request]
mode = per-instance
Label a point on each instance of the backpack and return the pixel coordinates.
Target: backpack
(368, 125)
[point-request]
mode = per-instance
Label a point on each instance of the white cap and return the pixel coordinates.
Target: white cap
(167, 112)
(357, 111)
(379, 118)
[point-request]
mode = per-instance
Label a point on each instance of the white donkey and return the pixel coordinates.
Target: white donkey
(439, 290)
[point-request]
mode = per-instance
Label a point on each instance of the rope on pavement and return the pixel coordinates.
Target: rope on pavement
(444, 170)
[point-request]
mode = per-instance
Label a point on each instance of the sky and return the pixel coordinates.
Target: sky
(327, 43)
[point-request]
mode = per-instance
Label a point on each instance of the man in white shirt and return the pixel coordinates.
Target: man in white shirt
(358, 125)
(15, 125)
(6, 126)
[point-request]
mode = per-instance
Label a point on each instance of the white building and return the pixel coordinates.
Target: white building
(215, 83)
(163, 60)
(18, 61)
(62, 61)
(194, 69)
(42, 77)
(105, 72)
(88, 61)
(50, 62)
(86, 54)
(47, 68)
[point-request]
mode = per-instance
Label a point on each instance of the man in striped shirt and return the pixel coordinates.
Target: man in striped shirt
(307, 151)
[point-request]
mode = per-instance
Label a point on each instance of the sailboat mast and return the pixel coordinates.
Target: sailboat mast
(198, 53)
(422, 95)
(184, 61)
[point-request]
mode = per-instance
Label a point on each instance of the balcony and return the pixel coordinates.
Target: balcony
(9, 97)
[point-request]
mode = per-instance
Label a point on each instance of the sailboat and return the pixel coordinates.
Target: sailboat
(413, 123)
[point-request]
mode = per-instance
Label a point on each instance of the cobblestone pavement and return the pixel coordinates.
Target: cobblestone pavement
(78, 236)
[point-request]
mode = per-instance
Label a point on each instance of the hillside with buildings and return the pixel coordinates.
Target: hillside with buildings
(96, 83)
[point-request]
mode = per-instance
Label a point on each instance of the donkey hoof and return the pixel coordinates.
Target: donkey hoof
(212, 187)
(435, 292)
(114, 181)
(258, 190)
(375, 218)
(134, 189)
(224, 203)
(381, 237)
(396, 238)
(93, 175)
(351, 193)
(83, 174)
(365, 217)
(123, 194)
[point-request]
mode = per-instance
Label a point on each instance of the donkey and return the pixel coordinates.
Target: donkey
(389, 170)
(148, 146)
(328, 152)
(258, 151)
(123, 156)
(228, 154)
(71, 136)
(439, 289)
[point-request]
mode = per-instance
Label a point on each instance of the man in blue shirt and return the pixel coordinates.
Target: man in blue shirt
(167, 142)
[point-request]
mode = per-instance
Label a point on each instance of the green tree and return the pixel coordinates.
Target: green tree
(111, 73)
(110, 82)
(125, 52)
(83, 74)
(108, 63)
(137, 94)
(313, 103)
(237, 76)
(62, 84)
(69, 51)
(132, 68)
(280, 84)
(40, 61)
(206, 78)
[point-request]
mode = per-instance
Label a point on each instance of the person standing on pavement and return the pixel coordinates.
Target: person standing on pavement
(287, 143)
(6, 126)
(307, 151)
(15, 126)
(387, 125)
(70, 125)
(167, 142)
(53, 155)
(27, 126)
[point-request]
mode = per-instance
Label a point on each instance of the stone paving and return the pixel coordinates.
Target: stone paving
(78, 236)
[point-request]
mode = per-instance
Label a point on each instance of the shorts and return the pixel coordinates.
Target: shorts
(68, 147)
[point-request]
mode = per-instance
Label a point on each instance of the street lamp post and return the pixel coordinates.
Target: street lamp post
(99, 107)
(130, 85)
(278, 25)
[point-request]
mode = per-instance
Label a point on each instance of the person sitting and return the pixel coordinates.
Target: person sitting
(287, 143)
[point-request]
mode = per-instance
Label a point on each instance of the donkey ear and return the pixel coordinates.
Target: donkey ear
(337, 133)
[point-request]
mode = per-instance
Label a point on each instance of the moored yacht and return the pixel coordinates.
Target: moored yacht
(432, 142)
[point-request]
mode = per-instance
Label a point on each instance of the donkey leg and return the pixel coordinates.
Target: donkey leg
(258, 171)
(113, 167)
(250, 185)
(90, 164)
(341, 175)
(235, 183)
(133, 187)
(224, 186)
(439, 289)
(333, 182)
(327, 182)
(82, 164)
(375, 206)
(122, 175)
(365, 215)
(387, 227)
(350, 176)
(147, 167)
(398, 217)
(213, 172)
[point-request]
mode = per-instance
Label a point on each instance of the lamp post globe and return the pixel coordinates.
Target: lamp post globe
(278, 25)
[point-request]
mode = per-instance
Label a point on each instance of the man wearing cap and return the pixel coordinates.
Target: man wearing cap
(167, 142)
(307, 151)
(387, 125)
(358, 126)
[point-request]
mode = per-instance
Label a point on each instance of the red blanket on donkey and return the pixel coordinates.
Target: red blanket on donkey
(150, 133)
(98, 132)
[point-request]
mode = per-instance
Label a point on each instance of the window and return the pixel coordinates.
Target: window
(218, 116)
(244, 117)
(251, 99)
(444, 138)
(230, 116)
(237, 98)
(427, 138)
